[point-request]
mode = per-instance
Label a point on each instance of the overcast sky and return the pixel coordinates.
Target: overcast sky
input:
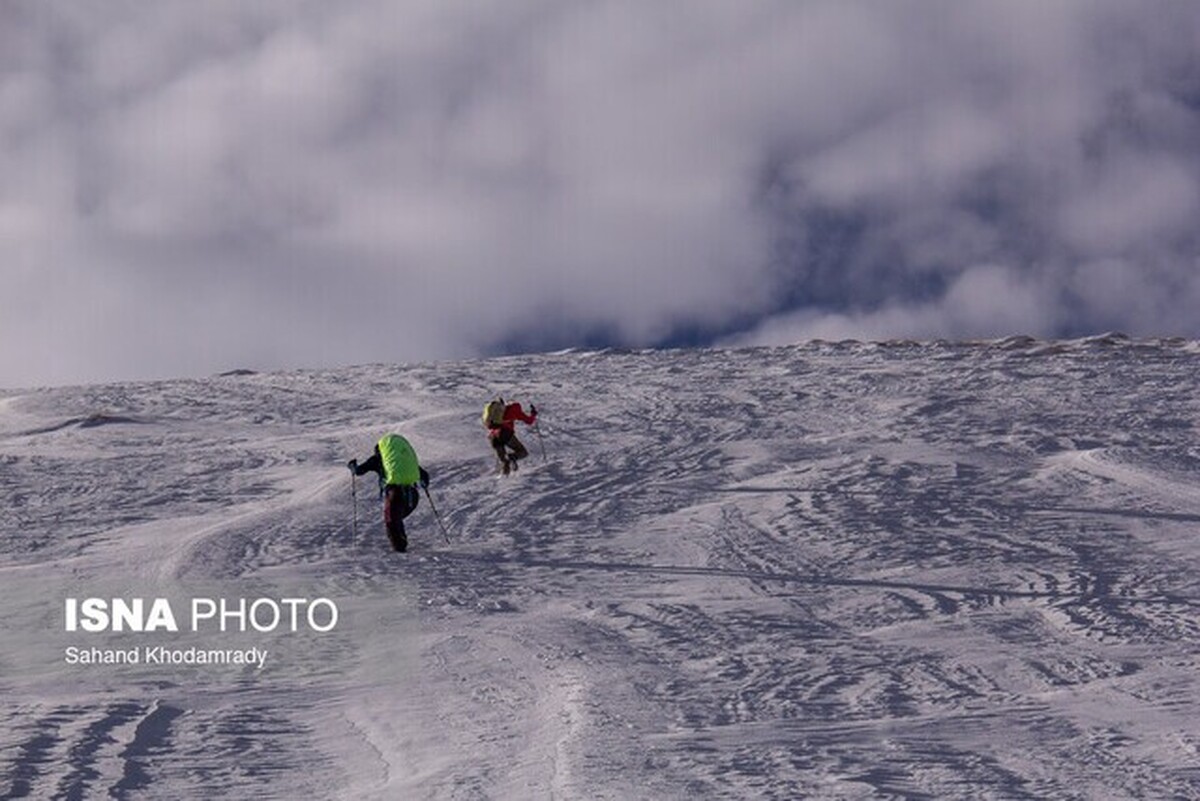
(190, 187)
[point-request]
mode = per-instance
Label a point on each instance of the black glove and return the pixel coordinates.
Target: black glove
(532, 410)
(353, 465)
(424, 479)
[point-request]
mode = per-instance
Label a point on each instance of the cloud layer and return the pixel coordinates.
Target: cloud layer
(190, 188)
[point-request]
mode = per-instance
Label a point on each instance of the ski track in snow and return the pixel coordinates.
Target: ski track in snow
(828, 571)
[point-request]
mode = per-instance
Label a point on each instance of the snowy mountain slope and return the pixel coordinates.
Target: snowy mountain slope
(827, 571)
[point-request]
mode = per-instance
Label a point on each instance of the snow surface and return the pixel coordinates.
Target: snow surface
(826, 571)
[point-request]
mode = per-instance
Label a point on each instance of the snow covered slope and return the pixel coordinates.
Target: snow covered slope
(825, 571)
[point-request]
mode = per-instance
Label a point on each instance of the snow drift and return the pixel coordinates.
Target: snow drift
(836, 570)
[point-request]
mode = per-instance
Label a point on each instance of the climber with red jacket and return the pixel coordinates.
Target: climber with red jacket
(500, 421)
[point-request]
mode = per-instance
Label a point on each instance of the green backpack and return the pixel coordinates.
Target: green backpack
(399, 461)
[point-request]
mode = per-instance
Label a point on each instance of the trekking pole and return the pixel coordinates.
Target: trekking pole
(437, 516)
(537, 428)
(354, 497)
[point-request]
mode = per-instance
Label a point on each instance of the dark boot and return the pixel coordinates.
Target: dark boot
(398, 537)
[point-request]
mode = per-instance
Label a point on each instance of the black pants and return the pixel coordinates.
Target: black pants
(505, 441)
(398, 503)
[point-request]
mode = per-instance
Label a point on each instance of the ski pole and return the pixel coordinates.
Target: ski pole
(354, 498)
(437, 516)
(537, 428)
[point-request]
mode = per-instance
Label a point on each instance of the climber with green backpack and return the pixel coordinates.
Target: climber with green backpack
(399, 474)
(500, 421)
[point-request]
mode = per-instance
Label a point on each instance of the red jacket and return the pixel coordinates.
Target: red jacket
(512, 413)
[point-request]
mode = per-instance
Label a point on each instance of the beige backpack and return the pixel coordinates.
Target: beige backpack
(493, 413)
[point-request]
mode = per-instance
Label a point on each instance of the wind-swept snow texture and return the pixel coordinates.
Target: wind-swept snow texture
(825, 571)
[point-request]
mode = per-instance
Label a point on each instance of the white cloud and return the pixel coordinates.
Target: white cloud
(986, 301)
(189, 188)
(1131, 201)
